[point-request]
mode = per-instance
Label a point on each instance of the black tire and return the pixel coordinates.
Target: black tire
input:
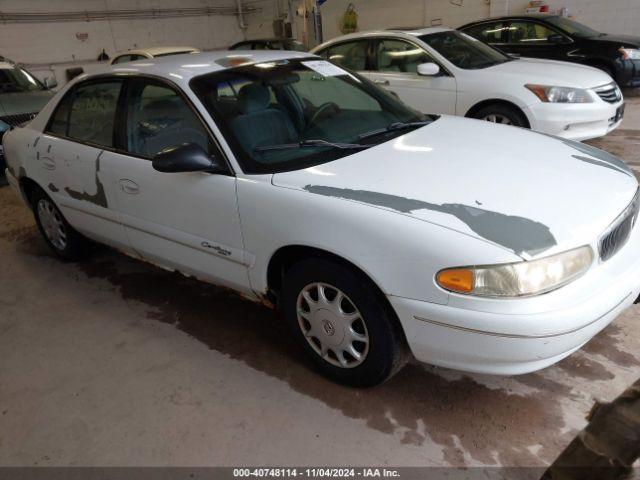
(75, 246)
(385, 354)
(514, 116)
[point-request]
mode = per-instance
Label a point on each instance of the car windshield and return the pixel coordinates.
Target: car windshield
(293, 114)
(16, 79)
(573, 28)
(464, 51)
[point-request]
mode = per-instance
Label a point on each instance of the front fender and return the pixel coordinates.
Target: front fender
(400, 254)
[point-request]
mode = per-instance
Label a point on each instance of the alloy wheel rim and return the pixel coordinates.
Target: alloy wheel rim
(497, 118)
(52, 224)
(332, 325)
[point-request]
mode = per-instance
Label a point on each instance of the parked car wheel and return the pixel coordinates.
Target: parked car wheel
(65, 242)
(503, 114)
(342, 324)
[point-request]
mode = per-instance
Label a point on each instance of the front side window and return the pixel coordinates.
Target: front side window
(16, 79)
(529, 33)
(487, 32)
(572, 27)
(159, 118)
(266, 110)
(463, 50)
(400, 56)
(87, 113)
(351, 55)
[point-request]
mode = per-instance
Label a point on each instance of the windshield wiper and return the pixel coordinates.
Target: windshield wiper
(392, 127)
(312, 144)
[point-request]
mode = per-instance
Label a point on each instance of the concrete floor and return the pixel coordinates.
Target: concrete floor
(115, 362)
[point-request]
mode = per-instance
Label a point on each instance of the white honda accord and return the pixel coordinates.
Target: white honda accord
(438, 70)
(376, 229)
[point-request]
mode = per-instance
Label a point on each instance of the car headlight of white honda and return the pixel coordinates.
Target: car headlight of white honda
(518, 279)
(551, 94)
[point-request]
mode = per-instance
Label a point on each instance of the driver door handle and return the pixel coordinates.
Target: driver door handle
(129, 186)
(380, 81)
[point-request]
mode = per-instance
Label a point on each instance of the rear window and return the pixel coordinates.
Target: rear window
(87, 113)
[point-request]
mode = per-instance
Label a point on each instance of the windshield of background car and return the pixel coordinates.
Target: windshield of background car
(16, 79)
(573, 28)
(464, 51)
(287, 102)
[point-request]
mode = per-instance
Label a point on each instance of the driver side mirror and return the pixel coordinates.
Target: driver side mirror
(428, 69)
(50, 83)
(189, 157)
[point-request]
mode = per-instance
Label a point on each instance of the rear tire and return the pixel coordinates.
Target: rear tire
(61, 238)
(339, 320)
(502, 114)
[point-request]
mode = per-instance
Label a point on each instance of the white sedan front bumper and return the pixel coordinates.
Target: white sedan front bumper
(575, 121)
(508, 337)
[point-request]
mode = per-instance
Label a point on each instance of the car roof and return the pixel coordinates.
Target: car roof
(534, 16)
(407, 34)
(274, 39)
(153, 51)
(182, 68)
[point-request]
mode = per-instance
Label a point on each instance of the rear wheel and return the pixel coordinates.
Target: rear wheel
(339, 320)
(503, 114)
(59, 235)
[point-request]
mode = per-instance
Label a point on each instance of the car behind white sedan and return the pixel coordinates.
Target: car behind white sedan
(439, 70)
(376, 229)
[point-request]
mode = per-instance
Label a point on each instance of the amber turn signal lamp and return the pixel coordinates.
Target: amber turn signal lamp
(539, 92)
(456, 279)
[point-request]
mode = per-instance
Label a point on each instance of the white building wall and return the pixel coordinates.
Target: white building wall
(614, 16)
(57, 42)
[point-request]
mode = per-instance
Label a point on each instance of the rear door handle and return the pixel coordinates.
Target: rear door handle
(129, 186)
(379, 81)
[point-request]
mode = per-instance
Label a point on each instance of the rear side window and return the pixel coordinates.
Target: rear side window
(159, 118)
(529, 33)
(60, 118)
(87, 113)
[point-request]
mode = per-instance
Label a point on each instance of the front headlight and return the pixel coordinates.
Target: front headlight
(630, 53)
(551, 94)
(518, 279)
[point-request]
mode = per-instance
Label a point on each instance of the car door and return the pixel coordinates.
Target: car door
(536, 40)
(183, 221)
(396, 69)
(72, 152)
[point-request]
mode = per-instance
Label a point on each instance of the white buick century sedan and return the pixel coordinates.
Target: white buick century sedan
(377, 230)
(439, 70)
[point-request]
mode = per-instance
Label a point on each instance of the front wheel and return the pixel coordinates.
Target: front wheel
(502, 114)
(339, 320)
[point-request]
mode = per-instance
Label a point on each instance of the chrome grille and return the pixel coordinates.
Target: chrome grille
(618, 233)
(609, 93)
(18, 119)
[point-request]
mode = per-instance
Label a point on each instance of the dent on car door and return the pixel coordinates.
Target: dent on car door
(185, 221)
(71, 152)
(396, 69)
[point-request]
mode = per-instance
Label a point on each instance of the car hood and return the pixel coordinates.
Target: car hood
(551, 72)
(623, 40)
(526, 192)
(24, 102)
